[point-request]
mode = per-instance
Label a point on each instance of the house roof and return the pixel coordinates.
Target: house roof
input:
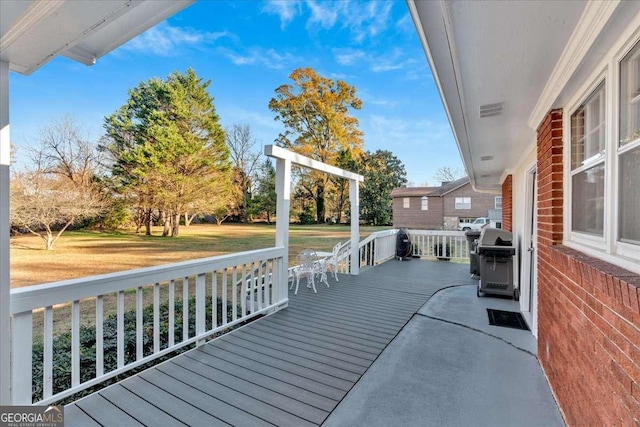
(444, 189)
(33, 32)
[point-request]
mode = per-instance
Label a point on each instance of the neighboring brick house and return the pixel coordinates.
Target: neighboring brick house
(551, 116)
(438, 208)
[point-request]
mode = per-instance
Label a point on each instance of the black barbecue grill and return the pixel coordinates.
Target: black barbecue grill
(495, 250)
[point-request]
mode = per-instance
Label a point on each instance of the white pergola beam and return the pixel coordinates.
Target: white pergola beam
(282, 153)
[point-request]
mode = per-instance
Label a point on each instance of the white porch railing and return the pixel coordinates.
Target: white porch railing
(439, 244)
(186, 303)
(380, 246)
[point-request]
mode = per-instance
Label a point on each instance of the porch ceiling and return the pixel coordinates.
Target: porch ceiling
(35, 31)
(493, 52)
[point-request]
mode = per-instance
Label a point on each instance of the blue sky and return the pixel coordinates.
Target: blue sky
(248, 49)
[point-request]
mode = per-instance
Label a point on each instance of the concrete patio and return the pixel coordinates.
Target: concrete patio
(404, 343)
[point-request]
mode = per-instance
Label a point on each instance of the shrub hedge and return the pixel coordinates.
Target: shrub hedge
(62, 346)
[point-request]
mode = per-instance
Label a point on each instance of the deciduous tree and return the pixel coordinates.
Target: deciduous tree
(447, 174)
(245, 159)
(316, 114)
(60, 185)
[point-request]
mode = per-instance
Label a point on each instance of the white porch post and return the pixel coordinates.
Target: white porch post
(283, 193)
(5, 286)
(354, 198)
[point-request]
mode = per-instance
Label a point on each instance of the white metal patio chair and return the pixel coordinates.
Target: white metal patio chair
(333, 260)
(309, 266)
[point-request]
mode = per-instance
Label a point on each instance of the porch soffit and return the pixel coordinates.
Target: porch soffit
(35, 31)
(493, 52)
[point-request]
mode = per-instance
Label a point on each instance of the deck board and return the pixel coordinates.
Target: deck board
(289, 368)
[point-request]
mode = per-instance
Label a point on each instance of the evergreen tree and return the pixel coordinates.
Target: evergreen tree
(168, 149)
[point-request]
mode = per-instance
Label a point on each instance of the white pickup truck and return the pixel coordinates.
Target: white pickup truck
(478, 224)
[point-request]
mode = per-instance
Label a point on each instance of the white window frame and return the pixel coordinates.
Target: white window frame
(594, 160)
(406, 202)
(607, 247)
(497, 205)
(461, 203)
(424, 203)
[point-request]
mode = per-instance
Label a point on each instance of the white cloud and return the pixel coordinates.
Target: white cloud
(349, 56)
(164, 39)
(286, 10)
(325, 13)
(368, 20)
(261, 56)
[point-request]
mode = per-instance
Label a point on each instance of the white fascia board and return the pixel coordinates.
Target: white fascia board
(295, 158)
(446, 75)
(594, 18)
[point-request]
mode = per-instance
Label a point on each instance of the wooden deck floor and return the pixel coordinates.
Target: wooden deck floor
(291, 368)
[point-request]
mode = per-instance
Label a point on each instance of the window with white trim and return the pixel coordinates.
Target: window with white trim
(406, 203)
(602, 143)
(498, 202)
(463, 203)
(588, 134)
(424, 203)
(629, 148)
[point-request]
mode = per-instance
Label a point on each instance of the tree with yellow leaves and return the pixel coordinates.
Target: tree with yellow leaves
(316, 115)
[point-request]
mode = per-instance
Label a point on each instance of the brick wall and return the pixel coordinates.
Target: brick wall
(481, 203)
(588, 311)
(507, 203)
(415, 217)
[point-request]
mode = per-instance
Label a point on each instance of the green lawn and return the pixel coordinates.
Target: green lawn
(86, 253)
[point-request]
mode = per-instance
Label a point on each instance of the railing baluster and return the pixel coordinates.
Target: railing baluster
(214, 299)
(172, 313)
(139, 323)
(185, 309)
(99, 336)
(120, 329)
(234, 289)
(243, 290)
(47, 365)
(156, 317)
(75, 343)
(21, 358)
(200, 306)
(268, 277)
(252, 299)
(224, 297)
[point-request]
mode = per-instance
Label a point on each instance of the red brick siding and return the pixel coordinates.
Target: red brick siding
(507, 203)
(588, 311)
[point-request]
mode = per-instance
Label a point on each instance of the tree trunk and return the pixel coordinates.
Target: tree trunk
(147, 222)
(320, 203)
(166, 229)
(268, 217)
(188, 219)
(176, 225)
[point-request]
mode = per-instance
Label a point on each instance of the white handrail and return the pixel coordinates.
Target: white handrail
(380, 246)
(203, 280)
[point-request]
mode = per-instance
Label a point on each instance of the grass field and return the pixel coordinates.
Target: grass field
(87, 253)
